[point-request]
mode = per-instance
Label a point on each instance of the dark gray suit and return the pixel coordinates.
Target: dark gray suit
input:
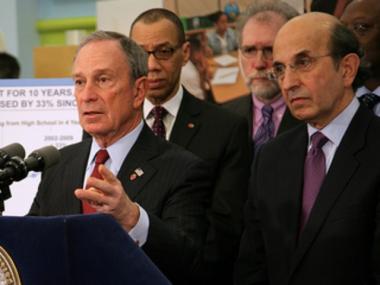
(220, 138)
(174, 190)
(340, 243)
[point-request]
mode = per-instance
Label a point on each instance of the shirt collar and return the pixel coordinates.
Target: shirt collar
(364, 90)
(172, 105)
(336, 129)
(277, 104)
(119, 150)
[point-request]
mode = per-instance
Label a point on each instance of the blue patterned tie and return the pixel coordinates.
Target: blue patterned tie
(370, 100)
(158, 126)
(266, 129)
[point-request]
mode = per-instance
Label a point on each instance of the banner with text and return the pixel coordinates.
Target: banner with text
(36, 113)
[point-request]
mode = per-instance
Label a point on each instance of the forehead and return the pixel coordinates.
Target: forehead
(300, 38)
(366, 9)
(262, 29)
(100, 55)
(154, 34)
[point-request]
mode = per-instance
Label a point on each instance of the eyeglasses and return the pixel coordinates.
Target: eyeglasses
(301, 63)
(251, 52)
(164, 52)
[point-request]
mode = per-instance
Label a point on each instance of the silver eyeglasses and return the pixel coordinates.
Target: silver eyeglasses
(302, 63)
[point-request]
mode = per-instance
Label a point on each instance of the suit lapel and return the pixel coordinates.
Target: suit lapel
(342, 168)
(187, 122)
(287, 122)
(75, 179)
(291, 184)
(137, 170)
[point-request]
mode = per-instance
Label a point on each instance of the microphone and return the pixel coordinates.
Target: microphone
(14, 149)
(17, 169)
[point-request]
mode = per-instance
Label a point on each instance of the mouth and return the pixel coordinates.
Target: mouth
(156, 83)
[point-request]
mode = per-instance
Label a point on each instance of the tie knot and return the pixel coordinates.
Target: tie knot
(159, 112)
(267, 111)
(318, 140)
(370, 100)
(101, 156)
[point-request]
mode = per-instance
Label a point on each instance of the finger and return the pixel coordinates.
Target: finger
(91, 195)
(107, 174)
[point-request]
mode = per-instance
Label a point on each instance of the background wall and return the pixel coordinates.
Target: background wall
(24, 22)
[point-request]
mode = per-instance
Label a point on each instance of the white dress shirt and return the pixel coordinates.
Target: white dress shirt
(335, 131)
(118, 151)
(172, 106)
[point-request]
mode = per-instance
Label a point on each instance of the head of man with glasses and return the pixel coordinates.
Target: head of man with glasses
(159, 32)
(257, 29)
(317, 67)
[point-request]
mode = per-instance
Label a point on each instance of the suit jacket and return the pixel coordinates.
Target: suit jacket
(220, 138)
(340, 243)
(174, 191)
(244, 106)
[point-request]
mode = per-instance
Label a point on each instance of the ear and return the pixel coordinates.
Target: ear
(185, 52)
(140, 89)
(349, 66)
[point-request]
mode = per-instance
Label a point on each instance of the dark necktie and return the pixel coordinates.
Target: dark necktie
(266, 129)
(370, 100)
(158, 126)
(100, 158)
(314, 174)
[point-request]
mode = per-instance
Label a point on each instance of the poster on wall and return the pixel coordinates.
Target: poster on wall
(35, 113)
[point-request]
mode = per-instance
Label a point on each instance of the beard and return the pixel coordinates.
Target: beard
(267, 88)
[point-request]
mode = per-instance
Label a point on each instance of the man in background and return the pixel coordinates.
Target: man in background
(363, 18)
(312, 215)
(213, 134)
(264, 109)
(157, 192)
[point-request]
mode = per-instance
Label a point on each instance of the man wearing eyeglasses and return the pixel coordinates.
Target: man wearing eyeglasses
(212, 133)
(313, 212)
(362, 17)
(264, 109)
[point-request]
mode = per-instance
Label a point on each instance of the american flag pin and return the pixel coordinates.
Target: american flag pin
(139, 171)
(190, 125)
(133, 176)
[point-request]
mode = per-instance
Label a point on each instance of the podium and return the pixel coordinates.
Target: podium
(78, 249)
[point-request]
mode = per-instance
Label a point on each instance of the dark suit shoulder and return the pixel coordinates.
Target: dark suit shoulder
(237, 103)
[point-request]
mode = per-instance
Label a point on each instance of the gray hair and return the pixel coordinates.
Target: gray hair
(136, 57)
(259, 9)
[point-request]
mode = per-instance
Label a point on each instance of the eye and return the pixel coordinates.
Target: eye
(104, 81)
(302, 63)
(361, 28)
(268, 52)
(78, 83)
(164, 52)
(249, 50)
(278, 70)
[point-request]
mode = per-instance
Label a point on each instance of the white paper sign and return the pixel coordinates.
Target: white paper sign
(36, 113)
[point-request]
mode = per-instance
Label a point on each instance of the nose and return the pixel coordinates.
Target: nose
(153, 63)
(290, 80)
(259, 62)
(87, 93)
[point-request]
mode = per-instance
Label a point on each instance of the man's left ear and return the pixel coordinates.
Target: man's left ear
(140, 89)
(350, 65)
(185, 52)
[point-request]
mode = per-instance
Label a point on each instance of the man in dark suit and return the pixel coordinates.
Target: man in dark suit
(257, 28)
(156, 191)
(313, 210)
(214, 134)
(363, 18)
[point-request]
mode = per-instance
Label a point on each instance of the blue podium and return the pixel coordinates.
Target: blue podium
(78, 249)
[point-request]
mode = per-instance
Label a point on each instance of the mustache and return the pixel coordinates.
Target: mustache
(260, 74)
